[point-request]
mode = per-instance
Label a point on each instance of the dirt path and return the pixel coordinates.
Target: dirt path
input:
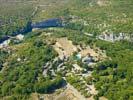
(70, 93)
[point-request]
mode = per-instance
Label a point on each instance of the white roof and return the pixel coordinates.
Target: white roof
(20, 37)
(77, 67)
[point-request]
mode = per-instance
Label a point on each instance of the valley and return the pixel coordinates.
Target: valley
(66, 50)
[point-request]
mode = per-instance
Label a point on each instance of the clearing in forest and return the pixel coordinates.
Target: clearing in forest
(64, 47)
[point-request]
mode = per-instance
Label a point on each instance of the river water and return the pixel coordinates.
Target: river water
(55, 22)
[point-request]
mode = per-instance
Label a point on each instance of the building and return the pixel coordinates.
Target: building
(20, 37)
(76, 68)
(88, 59)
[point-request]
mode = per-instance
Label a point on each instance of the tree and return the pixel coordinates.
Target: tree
(39, 43)
(6, 88)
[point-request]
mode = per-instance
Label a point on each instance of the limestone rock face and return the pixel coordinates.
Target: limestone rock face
(113, 37)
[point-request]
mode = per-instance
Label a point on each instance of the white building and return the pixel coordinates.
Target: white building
(76, 68)
(20, 37)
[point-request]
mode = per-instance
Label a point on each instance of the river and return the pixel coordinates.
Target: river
(55, 22)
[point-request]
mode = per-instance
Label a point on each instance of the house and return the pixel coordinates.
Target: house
(20, 37)
(76, 68)
(107, 35)
(78, 56)
(88, 59)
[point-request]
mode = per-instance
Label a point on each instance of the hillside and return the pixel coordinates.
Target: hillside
(66, 50)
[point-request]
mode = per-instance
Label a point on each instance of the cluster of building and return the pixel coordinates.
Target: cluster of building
(111, 37)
